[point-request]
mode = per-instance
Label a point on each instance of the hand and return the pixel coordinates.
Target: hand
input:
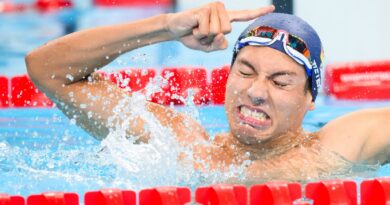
(204, 28)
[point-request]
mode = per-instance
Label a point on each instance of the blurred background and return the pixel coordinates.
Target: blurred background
(351, 30)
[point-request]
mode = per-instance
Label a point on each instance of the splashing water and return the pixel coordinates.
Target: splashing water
(47, 153)
(70, 160)
(148, 162)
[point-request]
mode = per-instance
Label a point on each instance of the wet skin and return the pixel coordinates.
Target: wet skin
(265, 98)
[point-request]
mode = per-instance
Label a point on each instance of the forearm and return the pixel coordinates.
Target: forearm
(75, 56)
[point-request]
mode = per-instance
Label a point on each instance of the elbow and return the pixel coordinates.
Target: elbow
(32, 65)
(37, 68)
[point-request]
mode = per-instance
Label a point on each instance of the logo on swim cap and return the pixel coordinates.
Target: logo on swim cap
(297, 29)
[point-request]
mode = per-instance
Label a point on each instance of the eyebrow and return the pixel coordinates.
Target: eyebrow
(273, 75)
(247, 63)
(282, 73)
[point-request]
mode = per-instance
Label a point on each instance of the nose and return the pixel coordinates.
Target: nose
(258, 92)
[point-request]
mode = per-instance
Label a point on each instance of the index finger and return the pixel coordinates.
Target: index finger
(247, 15)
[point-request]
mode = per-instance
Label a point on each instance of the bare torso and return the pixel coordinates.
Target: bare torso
(301, 160)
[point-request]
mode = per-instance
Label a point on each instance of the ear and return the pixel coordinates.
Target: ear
(312, 106)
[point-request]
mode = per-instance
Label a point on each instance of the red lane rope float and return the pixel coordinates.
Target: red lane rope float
(178, 82)
(376, 191)
(218, 84)
(6, 199)
(4, 95)
(53, 198)
(124, 3)
(332, 192)
(355, 81)
(133, 79)
(275, 193)
(222, 194)
(328, 192)
(52, 5)
(25, 94)
(19, 91)
(165, 196)
(110, 197)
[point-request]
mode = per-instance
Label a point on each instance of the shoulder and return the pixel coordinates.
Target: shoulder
(354, 135)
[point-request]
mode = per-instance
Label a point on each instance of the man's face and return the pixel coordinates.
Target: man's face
(265, 95)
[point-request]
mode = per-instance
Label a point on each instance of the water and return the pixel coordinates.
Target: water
(41, 150)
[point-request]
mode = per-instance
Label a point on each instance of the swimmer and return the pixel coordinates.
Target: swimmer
(273, 82)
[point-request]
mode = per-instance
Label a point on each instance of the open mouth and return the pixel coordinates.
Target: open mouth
(254, 117)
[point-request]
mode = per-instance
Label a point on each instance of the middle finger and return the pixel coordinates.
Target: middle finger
(215, 26)
(224, 19)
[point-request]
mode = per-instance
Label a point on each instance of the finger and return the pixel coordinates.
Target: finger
(246, 15)
(204, 23)
(215, 26)
(218, 43)
(221, 42)
(224, 19)
(204, 40)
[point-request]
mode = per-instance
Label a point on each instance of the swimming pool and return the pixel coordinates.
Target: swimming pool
(41, 150)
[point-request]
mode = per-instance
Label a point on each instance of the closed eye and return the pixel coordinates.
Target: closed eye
(282, 80)
(280, 84)
(245, 73)
(245, 68)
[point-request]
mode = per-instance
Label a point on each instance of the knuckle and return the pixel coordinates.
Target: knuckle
(220, 4)
(213, 32)
(203, 31)
(206, 10)
(227, 29)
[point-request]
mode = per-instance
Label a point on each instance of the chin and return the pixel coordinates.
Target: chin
(250, 136)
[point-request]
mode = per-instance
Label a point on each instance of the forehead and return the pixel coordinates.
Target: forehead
(268, 60)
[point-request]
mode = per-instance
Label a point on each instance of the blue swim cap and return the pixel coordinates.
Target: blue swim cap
(297, 27)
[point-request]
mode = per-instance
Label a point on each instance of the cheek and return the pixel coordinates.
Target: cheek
(236, 85)
(291, 105)
(235, 88)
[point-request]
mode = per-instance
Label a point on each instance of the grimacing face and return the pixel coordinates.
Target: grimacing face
(265, 95)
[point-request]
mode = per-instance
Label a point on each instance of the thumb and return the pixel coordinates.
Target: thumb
(219, 43)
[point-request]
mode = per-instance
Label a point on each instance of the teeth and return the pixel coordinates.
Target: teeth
(253, 114)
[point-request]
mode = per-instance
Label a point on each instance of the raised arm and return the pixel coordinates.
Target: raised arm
(62, 68)
(361, 136)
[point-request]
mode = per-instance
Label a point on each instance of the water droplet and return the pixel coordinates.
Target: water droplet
(72, 121)
(69, 77)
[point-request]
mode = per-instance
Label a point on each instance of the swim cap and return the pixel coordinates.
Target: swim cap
(299, 28)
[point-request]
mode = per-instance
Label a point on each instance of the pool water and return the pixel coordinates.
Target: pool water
(41, 150)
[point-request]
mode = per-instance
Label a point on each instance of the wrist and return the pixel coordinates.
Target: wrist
(168, 19)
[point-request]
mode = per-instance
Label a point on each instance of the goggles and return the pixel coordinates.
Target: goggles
(293, 46)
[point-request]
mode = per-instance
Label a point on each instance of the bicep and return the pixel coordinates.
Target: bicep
(377, 146)
(360, 135)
